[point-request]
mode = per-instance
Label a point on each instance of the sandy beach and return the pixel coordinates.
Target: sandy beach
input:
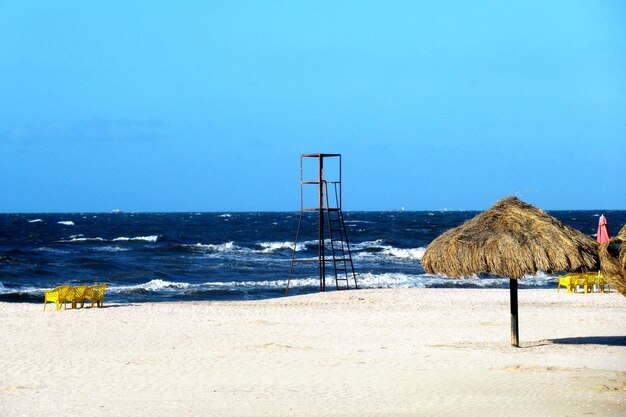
(394, 352)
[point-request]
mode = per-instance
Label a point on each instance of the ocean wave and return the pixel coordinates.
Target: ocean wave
(304, 283)
(401, 280)
(66, 222)
(82, 239)
(382, 249)
(154, 285)
(228, 247)
(35, 221)
(225, 215)
(110, 249)
(370, 244)
(269, 247)
(152, 238)
(52, 250)
(413, 253)
(379, 249)
(30, 290)
(268, 284)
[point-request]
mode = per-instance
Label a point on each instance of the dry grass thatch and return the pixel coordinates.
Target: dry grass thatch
(613, 261)
(511, 239)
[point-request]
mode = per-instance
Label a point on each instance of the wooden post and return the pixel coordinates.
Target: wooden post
(514, 317)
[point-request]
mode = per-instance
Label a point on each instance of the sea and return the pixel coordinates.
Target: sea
(152, 257)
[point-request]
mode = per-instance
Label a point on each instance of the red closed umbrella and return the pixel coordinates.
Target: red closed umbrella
(603, 230)
(602, 237)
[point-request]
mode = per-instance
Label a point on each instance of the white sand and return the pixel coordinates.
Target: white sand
(412, 352)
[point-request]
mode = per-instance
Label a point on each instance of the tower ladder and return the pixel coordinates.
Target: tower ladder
(341, 255)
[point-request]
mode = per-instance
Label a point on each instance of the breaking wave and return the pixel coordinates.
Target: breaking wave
(81, 238)
(73, 239)
(152, 238)
(153, 285)
(269, 247)
(218, 248)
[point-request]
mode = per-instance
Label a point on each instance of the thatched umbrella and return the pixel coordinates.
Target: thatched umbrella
(613, 261)
(511, 239)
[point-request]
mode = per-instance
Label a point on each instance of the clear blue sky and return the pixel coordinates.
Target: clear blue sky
(206, 106)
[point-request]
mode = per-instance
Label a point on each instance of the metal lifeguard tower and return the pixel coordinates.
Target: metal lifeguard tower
(324, 198)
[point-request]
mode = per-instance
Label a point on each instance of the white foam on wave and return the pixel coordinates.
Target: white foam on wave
(221, 248)
(111, 249)
(395, 280)
(225, 215)
(35, 221)
(386, 250)
(413, 253)
(22, 290)
(278, 283)
(539, 279)
(66, 222)
(152, 238)
(269, 247)
(82, 239)
(368, 244)
(400, 280)
(153, 285)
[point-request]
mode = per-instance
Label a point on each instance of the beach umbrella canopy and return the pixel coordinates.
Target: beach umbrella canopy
(603, 230)
(613, 261)
(511, 239)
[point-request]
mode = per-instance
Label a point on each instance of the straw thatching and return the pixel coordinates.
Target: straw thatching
(613, 261)
(511, 239)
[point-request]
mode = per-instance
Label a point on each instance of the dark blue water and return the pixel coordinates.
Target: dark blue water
(224, 256)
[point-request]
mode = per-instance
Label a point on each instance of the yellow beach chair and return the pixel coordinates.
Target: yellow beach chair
(77, 294)
(568, 281)
(58, 296)
(586, 281)
(95, 293)
(602, 282)
(592, 281)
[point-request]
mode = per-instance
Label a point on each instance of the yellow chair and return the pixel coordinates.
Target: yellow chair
(95, 293)
(77, 294)
(58, 295)
(602, 282)
(568, 281)
(586, 280)
(592, 280)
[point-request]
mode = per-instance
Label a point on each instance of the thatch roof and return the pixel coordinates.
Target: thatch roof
(613, 261)
(511, 239)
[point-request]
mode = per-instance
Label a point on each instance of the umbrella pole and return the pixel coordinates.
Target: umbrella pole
(514, 324)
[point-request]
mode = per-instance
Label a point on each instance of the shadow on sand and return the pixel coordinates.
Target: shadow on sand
(589, 340)
(592, 340)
